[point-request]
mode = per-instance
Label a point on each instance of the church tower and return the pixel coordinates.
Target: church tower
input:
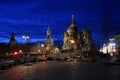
(77, 42)
(72, 36)
(49, 40)
(88, 44)
(12, 42)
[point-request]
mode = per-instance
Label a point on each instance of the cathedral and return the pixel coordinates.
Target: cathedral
(74, 40)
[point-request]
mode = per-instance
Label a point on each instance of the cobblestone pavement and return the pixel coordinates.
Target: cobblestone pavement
(53, 70)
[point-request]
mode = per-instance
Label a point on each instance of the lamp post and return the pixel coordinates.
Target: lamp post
(42, 48)
(26, 37)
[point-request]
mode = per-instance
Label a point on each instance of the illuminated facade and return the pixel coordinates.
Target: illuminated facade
(49, 40)
(113, 46)
(87, 40)
(74, 39)
(72, 34)
(117, 40)
(110, 47)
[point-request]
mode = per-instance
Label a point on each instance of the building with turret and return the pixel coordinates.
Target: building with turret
(76, 41)
(117, 41)
(87, 40)
(49, 40)
(72, 37)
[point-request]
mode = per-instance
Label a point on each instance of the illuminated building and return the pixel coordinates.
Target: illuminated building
(75, 40)
(104, 49)
(117, 40)
(49, 40)
(113, 46)
(110, 47)
(87, 40)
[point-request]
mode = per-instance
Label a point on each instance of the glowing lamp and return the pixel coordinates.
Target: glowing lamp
(15, 53)
(44, 56)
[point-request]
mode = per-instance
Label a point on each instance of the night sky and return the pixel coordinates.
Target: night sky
(32, 17)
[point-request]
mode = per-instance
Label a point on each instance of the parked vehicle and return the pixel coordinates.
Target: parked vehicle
(49, 59)
(7, 64)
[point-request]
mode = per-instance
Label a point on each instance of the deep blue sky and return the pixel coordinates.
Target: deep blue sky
(33, 16)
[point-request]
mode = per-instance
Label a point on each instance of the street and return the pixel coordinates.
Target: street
(53, 70)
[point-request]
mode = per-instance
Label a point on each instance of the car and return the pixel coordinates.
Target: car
(60, 59)
(7, 64)
(68, 59)
(49, 59)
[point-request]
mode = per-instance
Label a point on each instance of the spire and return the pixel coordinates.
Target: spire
(49, 40)
(73, 27)
(48, 31)
(73, 20)
(12, 38)
(48, 36)
(12, 42)
(48, 28)
(73, 16)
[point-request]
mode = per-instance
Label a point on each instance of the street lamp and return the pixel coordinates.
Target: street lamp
(42, 45)
(26, 37)
(42, 48)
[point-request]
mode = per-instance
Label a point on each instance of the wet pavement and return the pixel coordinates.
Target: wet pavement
(53, 70)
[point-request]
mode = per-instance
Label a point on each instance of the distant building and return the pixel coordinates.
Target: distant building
(49, 40)
(117, 40)
(75, 40)
(12, 39)
(110, 47)
(12, 43)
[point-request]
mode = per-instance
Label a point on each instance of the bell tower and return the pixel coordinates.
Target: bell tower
(49, 40)
(71, 34)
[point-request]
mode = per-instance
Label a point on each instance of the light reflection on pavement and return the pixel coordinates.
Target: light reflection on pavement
(52, 70)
